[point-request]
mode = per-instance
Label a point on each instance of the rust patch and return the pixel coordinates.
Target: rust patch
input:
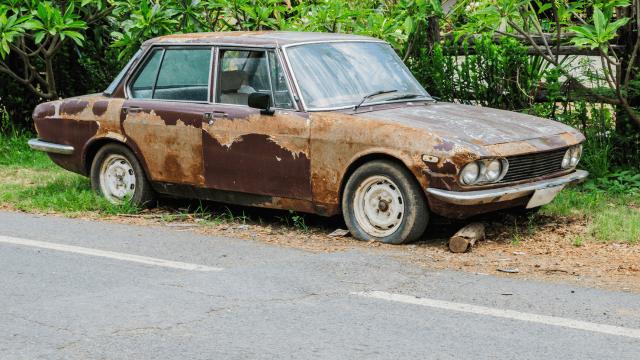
(172, 153)
(513, 148)
(179, 38)
(461, 158)
(288, 204)
(108, 122)
(339, 139)
(283, 129)
(569, 138)
(477, 141)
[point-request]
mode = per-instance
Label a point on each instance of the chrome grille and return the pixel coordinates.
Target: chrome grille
(530, 166)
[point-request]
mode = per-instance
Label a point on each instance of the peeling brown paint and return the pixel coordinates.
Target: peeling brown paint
(283, 129)
(100, 107)
(167, 149)
(106, 115)
(514, 148)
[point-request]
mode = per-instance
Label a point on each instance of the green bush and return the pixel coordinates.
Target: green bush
(496, 75)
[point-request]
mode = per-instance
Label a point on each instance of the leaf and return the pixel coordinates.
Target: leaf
(5, 47)
(408, 24)
(543, 8)
(39, 36)
(598, 21)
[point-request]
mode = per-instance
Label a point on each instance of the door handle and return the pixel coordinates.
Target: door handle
(214, 115)
(131, 110)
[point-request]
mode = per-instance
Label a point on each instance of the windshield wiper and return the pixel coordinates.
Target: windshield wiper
(380, 92)
(406, 96)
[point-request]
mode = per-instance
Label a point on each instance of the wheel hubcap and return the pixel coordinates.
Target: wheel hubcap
(117, 179)
(378, 206)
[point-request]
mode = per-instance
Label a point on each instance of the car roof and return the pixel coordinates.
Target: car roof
(256, 38)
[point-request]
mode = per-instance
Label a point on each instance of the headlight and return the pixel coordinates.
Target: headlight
(469, 173)
(575, 154)
(566, 160)
(493, 170)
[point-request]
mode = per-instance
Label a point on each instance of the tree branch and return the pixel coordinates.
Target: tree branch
(530, 40)
(415, 37)
(633, 59)
(100, 15)
(544, 39)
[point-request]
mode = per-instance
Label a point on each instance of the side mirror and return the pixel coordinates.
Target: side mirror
(261, 101)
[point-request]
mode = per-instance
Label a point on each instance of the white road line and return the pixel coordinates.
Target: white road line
(108, 254)
(509, 314)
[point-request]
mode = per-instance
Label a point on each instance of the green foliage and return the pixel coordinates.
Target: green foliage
(601, 31)
(498, 75)
(141, 22)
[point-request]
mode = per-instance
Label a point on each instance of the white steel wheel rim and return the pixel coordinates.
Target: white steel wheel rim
(117, 179)
(378, 206)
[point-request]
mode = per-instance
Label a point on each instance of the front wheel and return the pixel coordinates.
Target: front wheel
(383, 201)
(117, 175)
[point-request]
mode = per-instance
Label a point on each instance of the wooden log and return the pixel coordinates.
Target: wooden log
(466, 237)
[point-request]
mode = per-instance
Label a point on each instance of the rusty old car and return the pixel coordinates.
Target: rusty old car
(312, 122)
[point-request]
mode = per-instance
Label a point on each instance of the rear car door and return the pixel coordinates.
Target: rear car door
(162, 116)
(244, 150)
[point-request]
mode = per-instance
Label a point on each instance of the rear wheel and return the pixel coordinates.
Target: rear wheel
(383, 201)
(117, 175)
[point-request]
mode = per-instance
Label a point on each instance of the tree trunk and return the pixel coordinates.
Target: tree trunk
(627, 38)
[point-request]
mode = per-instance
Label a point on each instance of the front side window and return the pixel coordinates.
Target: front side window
(242, 73)
(281, 95)
(341, 74)
(245, 72)
(183, 75)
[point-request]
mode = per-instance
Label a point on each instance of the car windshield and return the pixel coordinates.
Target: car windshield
(334, 75)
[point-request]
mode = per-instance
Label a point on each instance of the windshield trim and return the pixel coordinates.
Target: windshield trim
(299, 90)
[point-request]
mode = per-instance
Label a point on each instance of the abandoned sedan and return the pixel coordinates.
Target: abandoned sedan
(318, 123)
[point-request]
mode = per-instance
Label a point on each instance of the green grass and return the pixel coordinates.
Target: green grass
(612, 216)
(32, 182)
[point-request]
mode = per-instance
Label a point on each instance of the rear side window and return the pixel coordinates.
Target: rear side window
(183, 76)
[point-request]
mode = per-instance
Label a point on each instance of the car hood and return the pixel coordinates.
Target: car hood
(480, 125)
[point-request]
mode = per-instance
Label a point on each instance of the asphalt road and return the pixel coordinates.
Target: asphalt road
(72, 289)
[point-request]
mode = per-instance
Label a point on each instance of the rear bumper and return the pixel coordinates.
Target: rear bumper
(38, 144)
(506, 193)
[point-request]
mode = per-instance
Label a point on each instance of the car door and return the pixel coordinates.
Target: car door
(244, 150)
(162, 116)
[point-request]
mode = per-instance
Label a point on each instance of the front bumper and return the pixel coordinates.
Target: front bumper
(38, 144)
(506, 193)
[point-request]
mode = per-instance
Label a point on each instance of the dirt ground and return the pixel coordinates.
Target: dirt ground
(543, 248)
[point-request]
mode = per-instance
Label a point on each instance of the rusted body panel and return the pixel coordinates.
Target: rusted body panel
(293, 160)
(167, 135)
(248, 152)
